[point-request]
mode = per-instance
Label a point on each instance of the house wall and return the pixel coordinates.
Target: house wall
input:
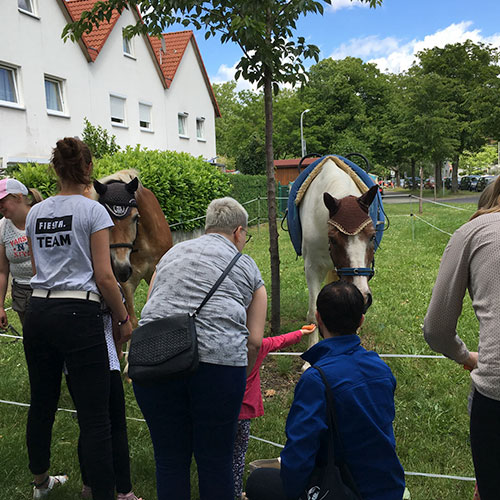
(29, 132)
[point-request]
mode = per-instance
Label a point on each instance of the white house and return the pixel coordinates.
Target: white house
(144, 91)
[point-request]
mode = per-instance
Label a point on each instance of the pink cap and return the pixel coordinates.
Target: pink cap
(11, 186)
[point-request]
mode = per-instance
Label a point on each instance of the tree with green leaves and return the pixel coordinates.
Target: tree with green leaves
(470, 75)
(265, 32)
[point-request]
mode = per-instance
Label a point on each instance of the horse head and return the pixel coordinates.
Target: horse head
(119, 200)
(351, 237)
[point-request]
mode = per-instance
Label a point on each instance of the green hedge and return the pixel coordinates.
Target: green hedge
(183, 184)
(249, 187)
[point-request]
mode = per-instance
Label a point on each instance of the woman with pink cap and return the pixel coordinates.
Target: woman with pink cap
(16, 201)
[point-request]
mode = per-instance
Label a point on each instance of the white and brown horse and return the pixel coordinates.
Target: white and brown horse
(337, 233)
(141, 234)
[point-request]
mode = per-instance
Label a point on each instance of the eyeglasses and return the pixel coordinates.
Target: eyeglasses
(249, 236)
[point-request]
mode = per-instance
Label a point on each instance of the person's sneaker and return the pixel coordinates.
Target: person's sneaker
(127, 496)
(42, 490)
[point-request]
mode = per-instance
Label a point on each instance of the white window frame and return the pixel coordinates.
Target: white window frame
(149, 127)
(200, 127)
(17, 104)
(34, 8)
(182, 118)
(123, 117)
(127, 43)
(60, 89)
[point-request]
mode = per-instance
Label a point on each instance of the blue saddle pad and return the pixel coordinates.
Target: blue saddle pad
(293, 217)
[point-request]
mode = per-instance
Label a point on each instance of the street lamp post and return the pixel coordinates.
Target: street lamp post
(302, 141)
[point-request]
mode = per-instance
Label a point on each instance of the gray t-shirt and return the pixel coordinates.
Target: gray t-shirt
(185, 275)
(59, 229)
(17, 251)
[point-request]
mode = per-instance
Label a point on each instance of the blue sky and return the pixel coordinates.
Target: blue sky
(389, 35)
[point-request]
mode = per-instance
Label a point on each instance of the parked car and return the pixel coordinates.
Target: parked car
(464, 183)
(473, 182)
(409, 182)
(484, 181)
(429, 183)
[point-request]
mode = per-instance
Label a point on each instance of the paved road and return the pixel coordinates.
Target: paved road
(473, 198)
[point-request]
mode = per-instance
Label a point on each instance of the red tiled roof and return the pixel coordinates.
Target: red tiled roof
(175, 46)
(292, 162)
(95, 40)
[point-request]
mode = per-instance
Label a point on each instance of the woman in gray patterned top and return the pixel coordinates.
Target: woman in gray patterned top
(471, 261)
(15, 203)
(199, 414)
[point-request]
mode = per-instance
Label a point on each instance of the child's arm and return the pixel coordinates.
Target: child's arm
(271, 344)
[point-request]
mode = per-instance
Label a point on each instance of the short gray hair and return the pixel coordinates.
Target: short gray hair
(225, 215)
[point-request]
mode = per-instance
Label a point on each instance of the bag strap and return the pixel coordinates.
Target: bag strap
(218, 282)
(330, 416)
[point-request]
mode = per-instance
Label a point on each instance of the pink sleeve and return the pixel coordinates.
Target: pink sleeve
(270, 344)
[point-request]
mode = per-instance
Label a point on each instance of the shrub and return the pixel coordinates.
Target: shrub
(183, 184)
(99, 140)
(39, 176)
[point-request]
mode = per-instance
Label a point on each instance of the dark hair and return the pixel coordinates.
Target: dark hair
(70, 159)
(340, 305)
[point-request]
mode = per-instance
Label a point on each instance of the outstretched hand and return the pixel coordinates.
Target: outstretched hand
(308, 329)
(4, 322)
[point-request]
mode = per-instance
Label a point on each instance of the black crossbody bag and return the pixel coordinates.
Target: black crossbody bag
(167, 348)
(331, 481)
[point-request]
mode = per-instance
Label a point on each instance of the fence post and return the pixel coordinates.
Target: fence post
(258, 214)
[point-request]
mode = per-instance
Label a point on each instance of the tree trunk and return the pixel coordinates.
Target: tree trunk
(271, 204)
(438, 178)
(397, 180)
(413, 173)
(454, 174)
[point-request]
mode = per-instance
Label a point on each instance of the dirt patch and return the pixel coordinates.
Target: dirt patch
(273, 378)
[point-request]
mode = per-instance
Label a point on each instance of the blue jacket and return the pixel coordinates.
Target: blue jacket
(363, 390)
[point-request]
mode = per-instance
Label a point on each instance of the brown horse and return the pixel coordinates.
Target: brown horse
(141, 234)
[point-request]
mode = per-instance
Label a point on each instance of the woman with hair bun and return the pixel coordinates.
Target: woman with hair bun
(16, 201)
(68, 235)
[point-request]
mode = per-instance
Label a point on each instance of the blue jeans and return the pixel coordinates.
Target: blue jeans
(194, 415)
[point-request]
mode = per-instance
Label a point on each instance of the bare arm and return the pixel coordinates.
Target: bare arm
(106, 281)
(4, 279)
(256, 320)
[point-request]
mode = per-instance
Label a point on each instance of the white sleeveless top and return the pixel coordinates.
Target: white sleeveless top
(17, 251)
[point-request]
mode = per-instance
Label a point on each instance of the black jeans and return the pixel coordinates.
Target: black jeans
(71, 331)
(194, 415)
(485, 445)
(265, 484)
(121, 458)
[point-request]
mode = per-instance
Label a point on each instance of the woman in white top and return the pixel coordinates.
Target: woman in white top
(68, 236)
(16, 201)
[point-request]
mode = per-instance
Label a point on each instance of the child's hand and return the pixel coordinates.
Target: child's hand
(308, 329)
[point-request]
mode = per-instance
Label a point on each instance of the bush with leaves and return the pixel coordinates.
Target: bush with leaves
(99, 140)
(39, 176)
(183, 184)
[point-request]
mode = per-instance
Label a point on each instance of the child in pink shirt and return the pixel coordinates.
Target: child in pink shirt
(252, 406)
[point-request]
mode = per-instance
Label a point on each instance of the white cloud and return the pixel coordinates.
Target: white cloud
(226, 73)
(346, 4)
(392, 55)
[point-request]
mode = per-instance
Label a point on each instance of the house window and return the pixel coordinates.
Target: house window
(200, 128)
(8, 85)
(145, 115)
(127, 46)
(117, 110)
(54, 95)
(27, 6)
(182, 122)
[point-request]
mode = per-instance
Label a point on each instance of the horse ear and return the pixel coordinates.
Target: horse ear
(331, 203)
(99, 187)
(132, 186)
(366, 199)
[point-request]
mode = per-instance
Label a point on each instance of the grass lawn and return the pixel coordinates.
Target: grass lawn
(431, 399)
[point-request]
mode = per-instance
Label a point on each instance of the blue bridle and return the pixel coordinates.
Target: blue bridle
(356, 271)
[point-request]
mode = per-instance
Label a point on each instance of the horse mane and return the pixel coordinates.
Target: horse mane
(124, 176)
(121, 176)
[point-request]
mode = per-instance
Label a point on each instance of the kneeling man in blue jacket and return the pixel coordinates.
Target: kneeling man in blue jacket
(363, 391)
